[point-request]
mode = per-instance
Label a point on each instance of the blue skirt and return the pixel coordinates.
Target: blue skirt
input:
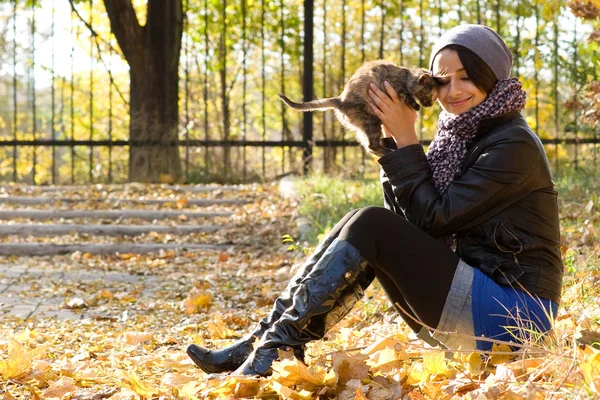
(507, 313)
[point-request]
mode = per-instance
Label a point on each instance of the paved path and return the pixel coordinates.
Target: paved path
(60, 262)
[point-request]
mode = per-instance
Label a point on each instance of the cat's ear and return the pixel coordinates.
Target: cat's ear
(424, 77)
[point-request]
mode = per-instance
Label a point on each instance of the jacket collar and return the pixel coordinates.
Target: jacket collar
(487, 124)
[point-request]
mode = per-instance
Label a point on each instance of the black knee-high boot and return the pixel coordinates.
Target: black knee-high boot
(324, 296)
(231, 357)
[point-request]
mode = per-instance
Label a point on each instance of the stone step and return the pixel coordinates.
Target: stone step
(27, 200)
(107, 214)
(106, 230)
(118, 188)
(43, 249)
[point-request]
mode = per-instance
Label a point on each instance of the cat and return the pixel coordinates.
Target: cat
(352, 109)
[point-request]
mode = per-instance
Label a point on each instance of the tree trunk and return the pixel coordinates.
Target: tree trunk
(152, 52)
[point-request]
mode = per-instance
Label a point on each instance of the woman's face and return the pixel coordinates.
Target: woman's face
(457, 94)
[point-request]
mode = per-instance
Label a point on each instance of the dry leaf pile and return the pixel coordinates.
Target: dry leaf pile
(130, 318)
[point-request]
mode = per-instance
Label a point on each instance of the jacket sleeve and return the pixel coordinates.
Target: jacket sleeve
(389, 200)
(504, 172)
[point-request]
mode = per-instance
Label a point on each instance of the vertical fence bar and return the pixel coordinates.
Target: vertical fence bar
(536, 67)
(555, 87)
(110, 107)
(52, 101)
(244, 78)
(478, 9)
(308, 84)
(72, 102)
(362, 32)
(91, 155)
(421, 60)
(33, 92)
(497, 10)
(205, 90)
(282, 66)
(324, 69)
(186, 66)
(363, 55)
(224, 94)
(263, 75)
(575, 109)
(15, 105)
(61, 114)
(401, 33)
(382, 30)
(517, 55)
(440, 14)
(343, 74)
(459, 12)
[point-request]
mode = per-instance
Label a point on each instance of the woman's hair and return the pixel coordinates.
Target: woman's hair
(477, 70)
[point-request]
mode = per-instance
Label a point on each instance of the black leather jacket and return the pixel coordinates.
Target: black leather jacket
(503, 207)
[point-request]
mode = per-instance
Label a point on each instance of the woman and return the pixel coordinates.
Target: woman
(468, 240)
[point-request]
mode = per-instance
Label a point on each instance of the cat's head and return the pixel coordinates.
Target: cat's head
(425, 88)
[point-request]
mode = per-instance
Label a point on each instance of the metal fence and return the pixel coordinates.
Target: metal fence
(64, 84)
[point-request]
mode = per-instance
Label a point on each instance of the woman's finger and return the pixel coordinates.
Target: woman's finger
(375, 110)
(378, 98)
(391, 92)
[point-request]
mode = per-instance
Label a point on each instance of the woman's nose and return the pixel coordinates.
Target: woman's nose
(455, 88)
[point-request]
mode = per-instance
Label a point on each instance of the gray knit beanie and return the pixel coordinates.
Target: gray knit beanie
(481, 40)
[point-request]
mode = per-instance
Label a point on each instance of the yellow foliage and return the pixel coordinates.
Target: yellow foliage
(589, 363)
(20, 359)
(496, 359)
(196, 300)
(130, 380)
(291, 371)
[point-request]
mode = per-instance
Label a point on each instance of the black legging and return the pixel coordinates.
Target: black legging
(414, 269)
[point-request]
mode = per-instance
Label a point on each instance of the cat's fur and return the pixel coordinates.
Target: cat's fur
(352, 109)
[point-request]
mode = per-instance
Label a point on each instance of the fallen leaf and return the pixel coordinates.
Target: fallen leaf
(348, 368)
(59, 389)
(130, 380)
(196, 300)
(496, 359)
(20, 359)
(137, 337)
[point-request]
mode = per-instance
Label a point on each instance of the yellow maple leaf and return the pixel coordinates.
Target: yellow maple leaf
(130, 380)
(196, 300)
(496, 359)
(434, 363)
(474, 364)
(291, 372)
(20, 359)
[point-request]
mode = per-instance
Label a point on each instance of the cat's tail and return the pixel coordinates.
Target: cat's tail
(315, 105)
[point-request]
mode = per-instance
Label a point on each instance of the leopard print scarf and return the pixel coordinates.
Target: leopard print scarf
(449, 147)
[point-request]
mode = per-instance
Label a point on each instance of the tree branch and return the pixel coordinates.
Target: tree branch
(124, 24)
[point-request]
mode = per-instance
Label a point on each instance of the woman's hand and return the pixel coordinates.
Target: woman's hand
(397, 118)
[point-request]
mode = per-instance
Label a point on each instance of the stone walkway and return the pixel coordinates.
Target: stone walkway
(38, 281)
